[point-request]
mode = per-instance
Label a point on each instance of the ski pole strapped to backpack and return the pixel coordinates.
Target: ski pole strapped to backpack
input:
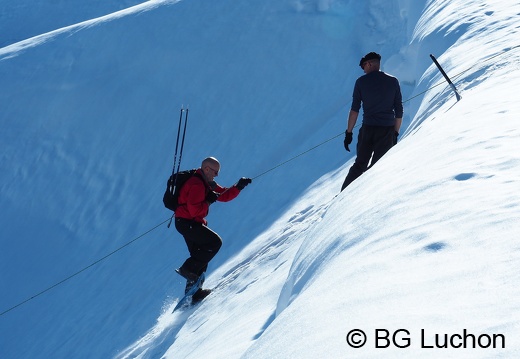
(178, 178)
(173, 188)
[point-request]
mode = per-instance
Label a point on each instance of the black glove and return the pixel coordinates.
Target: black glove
(211, 197)
(348, 140)
(243, 182)
(396, 134)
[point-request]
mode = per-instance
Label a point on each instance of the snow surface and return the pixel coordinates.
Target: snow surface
(425, 240)
(22, 19)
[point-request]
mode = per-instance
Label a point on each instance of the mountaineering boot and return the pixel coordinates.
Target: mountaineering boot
(200, 295)
(190, 276)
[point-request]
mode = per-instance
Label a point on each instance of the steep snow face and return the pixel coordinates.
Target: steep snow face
(22, 19)
(465, 24)
(89, 113)
(424, 240)
(422, 245)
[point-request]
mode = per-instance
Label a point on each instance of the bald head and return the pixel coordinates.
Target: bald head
(210, 161)
(210, 168)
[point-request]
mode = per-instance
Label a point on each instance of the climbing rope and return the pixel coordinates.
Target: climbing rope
(295, 157)
(83, 270)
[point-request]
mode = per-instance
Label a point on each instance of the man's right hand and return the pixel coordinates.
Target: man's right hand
(211, 197)
(348, 140)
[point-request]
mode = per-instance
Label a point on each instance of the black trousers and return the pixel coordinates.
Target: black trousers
(373, 142)
(203, 244)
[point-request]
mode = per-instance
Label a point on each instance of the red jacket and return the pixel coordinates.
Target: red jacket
(192, 198)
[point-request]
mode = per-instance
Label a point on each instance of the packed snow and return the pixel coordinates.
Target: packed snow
(418, 254)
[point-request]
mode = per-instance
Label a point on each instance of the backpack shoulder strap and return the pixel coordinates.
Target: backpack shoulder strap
(199, 176)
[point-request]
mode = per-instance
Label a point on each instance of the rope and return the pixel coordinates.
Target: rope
(257, 176)
(82, 270)
(295, 157)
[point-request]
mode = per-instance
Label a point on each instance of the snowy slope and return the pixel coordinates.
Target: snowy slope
(426, 241)
(423, 240)
(90, 112)
(22, 19)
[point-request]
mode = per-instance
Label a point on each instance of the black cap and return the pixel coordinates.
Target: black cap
(369, 56)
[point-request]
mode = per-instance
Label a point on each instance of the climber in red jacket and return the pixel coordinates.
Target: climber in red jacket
(195, 198)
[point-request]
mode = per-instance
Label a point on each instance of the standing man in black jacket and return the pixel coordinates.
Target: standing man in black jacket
(381, 96)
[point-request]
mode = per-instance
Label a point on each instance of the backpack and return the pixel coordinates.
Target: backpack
(173, 188)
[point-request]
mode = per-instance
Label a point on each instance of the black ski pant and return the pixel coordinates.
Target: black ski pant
(203, 244)
(373, 142)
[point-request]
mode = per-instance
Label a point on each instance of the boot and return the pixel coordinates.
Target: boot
(190, 276)
(200, 295)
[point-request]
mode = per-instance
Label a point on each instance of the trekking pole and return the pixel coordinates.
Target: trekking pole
(183, 136)
(182, 147)
(177, 142)
(175, 162)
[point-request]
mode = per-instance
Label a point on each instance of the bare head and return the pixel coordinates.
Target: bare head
(210, 167)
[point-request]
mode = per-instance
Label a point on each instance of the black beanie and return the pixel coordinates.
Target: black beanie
(369, 56)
